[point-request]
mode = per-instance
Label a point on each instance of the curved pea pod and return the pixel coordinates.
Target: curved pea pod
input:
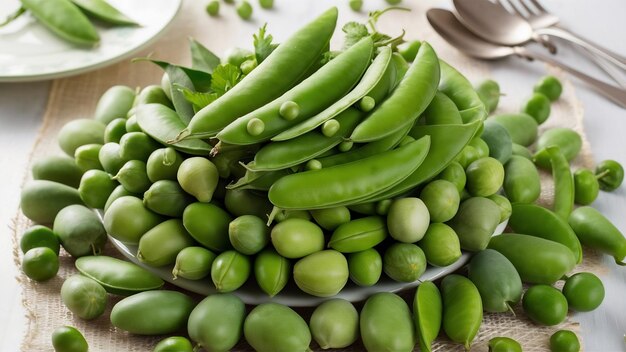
(335, 324)
(103, 11)
(312, 95)
(258, 181)
(61, 169)
(568, 141)
(137, 146)
(359, 235)
(160, 245)
(127, 219)
(272, 271)
(489, 93)
(564, 187)
(374, 77)
(447, 141)
(41, 200)
(496, 279)
(475, 222)
(273, 327)
(64, 19)
(462, 309)
(460, 90)
(348, 183)
(428, 313)
(118, 192)
(521, 127)
(521, 180)
(95, 188)
(537, 260)
(408, 100)
(442, 111)
(163, 164)
(86, 157)
(166, 197)
(245, 202)
(114, 103)
(386, 324)
(499, 141)
(596, 231)
(292, 152)
(153, 94)
(198, 176)
(538, 221)
(110, 158)
(321, 274)
(163, 124)
(80, 132)
(117, 276)
(230, 270)
(216, 323)
(365, 267)
(282, 69)
(152, 312)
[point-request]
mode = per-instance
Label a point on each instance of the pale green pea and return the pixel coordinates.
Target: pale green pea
(367, 103)
(335, 324)
(255, 126)
(289, 110)
(86, 157)
(313, 164)
(345, 146)
(244, 10)
(230, 270)
(330, 127)
(213, 7)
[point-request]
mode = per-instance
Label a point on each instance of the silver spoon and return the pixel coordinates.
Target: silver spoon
(453, 31)
(495, 24)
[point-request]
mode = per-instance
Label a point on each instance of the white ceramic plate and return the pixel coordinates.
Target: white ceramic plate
(291, 295)
(30, 52)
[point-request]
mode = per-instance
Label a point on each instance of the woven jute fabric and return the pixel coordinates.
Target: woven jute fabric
(75, 97)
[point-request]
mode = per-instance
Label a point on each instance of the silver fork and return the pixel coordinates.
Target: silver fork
(538, 18)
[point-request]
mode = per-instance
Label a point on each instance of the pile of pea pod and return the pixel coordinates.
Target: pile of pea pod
(379, 160)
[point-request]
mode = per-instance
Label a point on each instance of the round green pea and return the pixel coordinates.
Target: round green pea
(198, 176)
(272, 327)
(163, 164)
(244, 10)
(610, 175)
(248, 66)
(173, 344)
(137, 146)
(193, 263)
(442, 200)
(109, 157)
(356, 5)
(393, 2)
(367, 103)
(484, 177)
(236, 56)
(68, 339)
(39, 236)
(266, 4)
(468, 155)
(564, 341)
(118, 192)
(248, 234)
(133, 177)
(441, 245)
(86, 157)
(365, 267)
(584, 292)
(489, 93)
(454, 173)
(208, 224)
(296, 238)
(505, 206)
(289, 110)
(271, 271)
(131, 122)
(404, 262)
(313, 164)
(115, 130)
(213, 7)
(84, 297)
(80, 132)
(321, 274)
(127, 219)
(330, 127)
(345, 146)
(383, 206)
(504, 344)
(481, 147)
(537, 106)
(230, 270)
(586, 187)
(545, 305)
(331, 218)
(408, 219)
(40, 264)
(95, 188)
(166, 197)
(549, 86)
(335, 324)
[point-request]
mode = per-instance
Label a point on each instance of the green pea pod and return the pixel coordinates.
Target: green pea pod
(118, 192)
(152, 312)
(498, 140)
(460, 90)
(401, 66)
(475, 222)
(408, 100)
(95, 188)
(447, 141)
(335, 324)
(260, 181)
(163, 164)
(110, 159)
(230, 270)
(521, 127)
(321, 274)
(282, 69)
(153, 94)
(216, 323)
(246, 202)
(80, 132)
(359, 235)
(137, 146)
(365, 267)
(41, 200)
(273, 327)
(496, 279)
(295, 151)
(117, 276)
(86, 157)
(64, 19)
(312, 95)
(61, 169)
(386, 324)
(462, 309)
(596, 231)
(371, 78)
(563, 183)
(428, 313)
(163, 124)
(114, 103)
(521, 180)
(348, 183)
(208, 224)
(442, 111)
(489, 92)
(166, 197)
(103, 11)
(160, 245)
(568, 141)
(127, 219)
(538, 221)
(271, 271)
(537, 260)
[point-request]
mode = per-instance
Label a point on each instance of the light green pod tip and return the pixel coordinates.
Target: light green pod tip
(255, 126)
(289, 110)
(330, 127)
(367, 103)
(313, 164)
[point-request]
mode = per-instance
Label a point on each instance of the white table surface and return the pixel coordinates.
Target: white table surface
(22, 106)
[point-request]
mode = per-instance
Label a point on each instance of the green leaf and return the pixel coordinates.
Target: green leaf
(225, 77)
(201, 80)
(263, 46)
(197, 99)
(354, 32)
(202, 58)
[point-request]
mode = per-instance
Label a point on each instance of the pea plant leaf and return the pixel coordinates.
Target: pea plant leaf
(225, 77)
(197, 99)
(202, 59)
(263, 45)
(354, 32)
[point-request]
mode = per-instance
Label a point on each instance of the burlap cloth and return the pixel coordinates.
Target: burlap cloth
(76, 97)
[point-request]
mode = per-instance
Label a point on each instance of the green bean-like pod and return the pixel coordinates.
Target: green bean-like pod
(460, 90)
(64, 19)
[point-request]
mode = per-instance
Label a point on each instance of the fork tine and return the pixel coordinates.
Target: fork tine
(528, 9)
(519, 9)
(538, 6)
(508, 5)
